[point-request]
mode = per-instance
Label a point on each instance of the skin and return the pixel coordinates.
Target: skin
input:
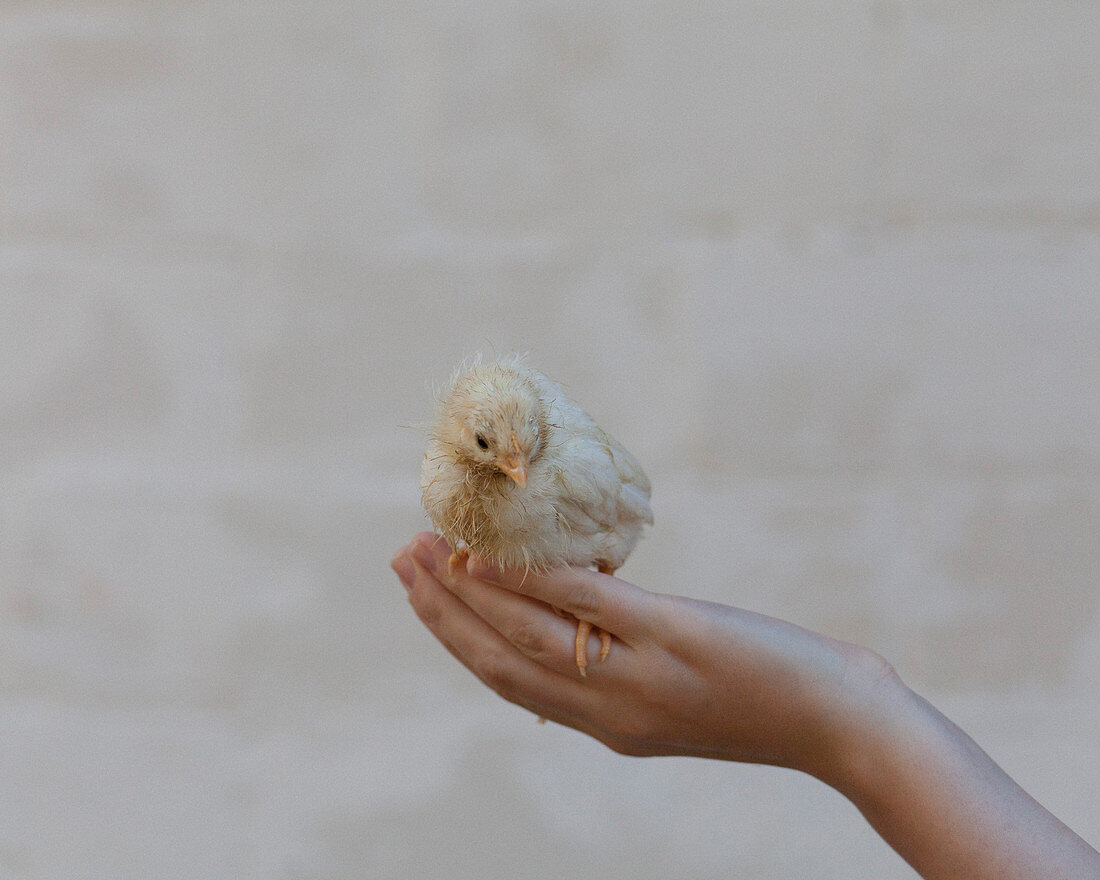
(686, 677)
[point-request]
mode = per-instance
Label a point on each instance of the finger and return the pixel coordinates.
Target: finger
(620, 608)
(486, 653)
(438, 543)
(556, 698)
(536, 631)
(544, 704)
(526, 623)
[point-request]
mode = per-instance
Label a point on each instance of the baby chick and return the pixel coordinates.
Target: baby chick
(520, 475)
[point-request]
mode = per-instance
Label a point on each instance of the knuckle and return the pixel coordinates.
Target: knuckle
(530, 639)
(494, 669)
(623, 746)
(618, 746)
(583, 601)
(628, 731)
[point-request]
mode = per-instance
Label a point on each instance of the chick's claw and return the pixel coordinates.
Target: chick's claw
(605, 644)
(457, 560)
(583, 629)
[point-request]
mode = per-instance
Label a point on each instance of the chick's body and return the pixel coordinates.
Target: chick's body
(520, 475)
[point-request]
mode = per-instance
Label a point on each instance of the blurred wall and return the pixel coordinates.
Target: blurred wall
(830, 269)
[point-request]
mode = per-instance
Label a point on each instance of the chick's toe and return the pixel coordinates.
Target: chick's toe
(457, 560)
(583, 629)
(605, 644)
(581, 646)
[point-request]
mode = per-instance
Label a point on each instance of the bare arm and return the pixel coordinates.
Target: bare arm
(694, 678)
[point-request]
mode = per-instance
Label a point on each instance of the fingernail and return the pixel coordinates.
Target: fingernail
(403, 566)
(476, 567)
(423, 554)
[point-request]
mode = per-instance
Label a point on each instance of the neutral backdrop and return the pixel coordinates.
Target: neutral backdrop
(831, 270)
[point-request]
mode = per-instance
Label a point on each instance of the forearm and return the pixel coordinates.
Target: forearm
(943, 804)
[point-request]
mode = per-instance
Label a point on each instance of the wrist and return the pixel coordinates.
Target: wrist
(863, 725)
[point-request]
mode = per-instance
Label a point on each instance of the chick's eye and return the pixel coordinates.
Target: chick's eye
(481, 442)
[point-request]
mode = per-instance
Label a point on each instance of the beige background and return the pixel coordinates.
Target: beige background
(829, 268)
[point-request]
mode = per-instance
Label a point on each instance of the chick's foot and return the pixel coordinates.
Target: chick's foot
(583, 629)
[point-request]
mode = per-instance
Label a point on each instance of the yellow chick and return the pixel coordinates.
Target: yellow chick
(520, 475)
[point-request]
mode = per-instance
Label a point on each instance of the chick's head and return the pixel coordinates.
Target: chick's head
(494, 421)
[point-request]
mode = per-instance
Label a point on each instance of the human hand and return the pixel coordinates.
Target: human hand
(684, 677)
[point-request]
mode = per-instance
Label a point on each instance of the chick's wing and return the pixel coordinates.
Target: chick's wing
(634, 497)
(590, 484)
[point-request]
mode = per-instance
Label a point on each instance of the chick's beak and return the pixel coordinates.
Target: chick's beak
(514, 464)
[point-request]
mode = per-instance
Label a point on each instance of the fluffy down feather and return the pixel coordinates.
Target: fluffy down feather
(519, 474)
